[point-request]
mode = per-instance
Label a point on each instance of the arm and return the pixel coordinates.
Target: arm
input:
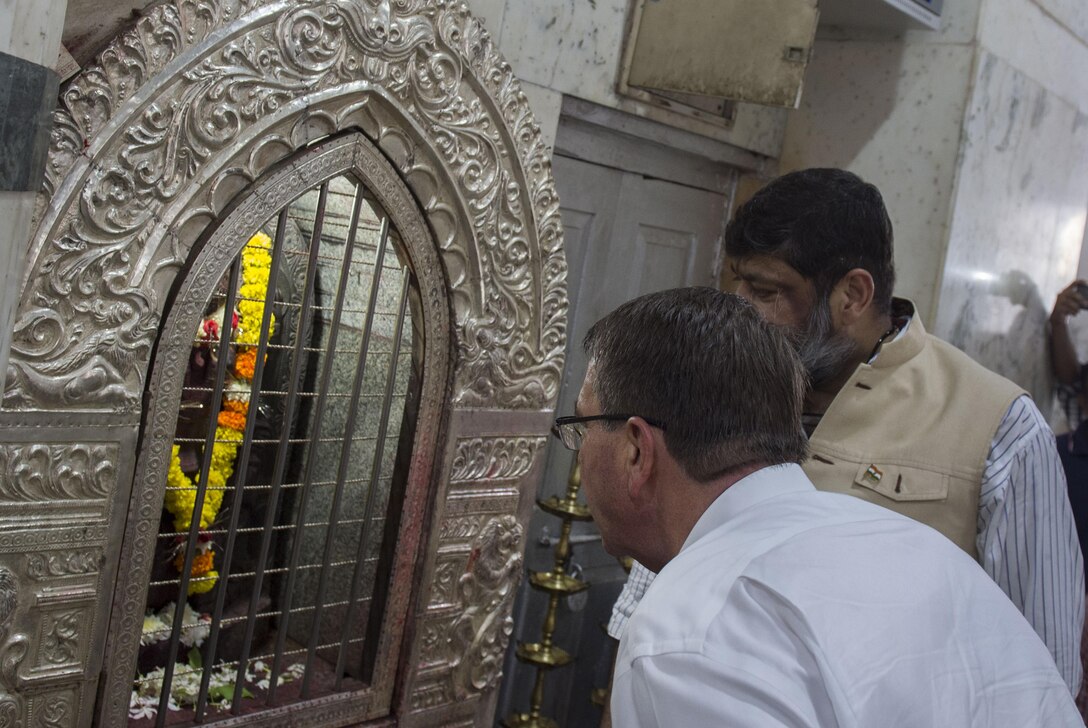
(1062, 352)
(687, 689)
(638, 581)
(1027, 541)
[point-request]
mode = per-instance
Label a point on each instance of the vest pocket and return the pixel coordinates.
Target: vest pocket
(902, 483)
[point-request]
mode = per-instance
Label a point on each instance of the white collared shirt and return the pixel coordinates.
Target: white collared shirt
(788, 606)
(1027, 541)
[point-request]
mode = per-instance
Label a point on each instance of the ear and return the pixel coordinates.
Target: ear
(852, 297)
(640, 453)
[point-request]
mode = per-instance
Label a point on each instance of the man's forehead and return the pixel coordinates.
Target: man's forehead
(766, 268)
(585, 393)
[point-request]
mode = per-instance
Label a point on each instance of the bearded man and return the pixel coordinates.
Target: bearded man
(898, 417)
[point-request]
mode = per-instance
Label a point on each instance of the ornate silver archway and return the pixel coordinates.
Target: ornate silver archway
(150, 147)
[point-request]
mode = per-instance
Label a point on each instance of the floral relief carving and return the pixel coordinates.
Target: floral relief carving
(12, 651)
(30, 473)
(444, 583)
(63, 563)
(56, 711)
(9, 712)
(459, 529)
(89, 312)
(61, 637)
(481, 631)
(495, 458)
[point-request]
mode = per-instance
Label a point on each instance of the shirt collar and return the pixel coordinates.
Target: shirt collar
(908, 342)
(751, 490)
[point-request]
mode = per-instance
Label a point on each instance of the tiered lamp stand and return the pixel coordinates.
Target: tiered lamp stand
(556, 583)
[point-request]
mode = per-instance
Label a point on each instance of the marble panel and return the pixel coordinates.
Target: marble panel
(31, 29)
(1032, 41)
(571, 47)
(1017, 224)
(490, 12)
(16, 209)
(890, 112)
(1073, 14)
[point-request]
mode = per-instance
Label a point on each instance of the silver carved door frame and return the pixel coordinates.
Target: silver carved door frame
(151, 145)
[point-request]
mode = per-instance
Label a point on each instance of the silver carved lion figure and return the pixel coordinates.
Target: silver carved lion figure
(480, 633)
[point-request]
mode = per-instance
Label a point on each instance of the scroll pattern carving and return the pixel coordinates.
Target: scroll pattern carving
(60, 638)
(89, 312)
(495, 458)
(480, 633)
(63, 563)
(9, 712)
(33, 473)
(57, 711)
(13, 650)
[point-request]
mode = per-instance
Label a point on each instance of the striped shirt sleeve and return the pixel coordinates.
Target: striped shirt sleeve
(1027, 541)
(638, 581)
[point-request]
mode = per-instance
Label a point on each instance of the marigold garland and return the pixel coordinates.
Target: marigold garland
(181, 490)
(202, 563)
(245, 364)
(232, 420)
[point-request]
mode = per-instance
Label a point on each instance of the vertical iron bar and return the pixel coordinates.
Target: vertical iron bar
(201, 490)
(282, 450)
(345, 448)
(379, 447)
(297, 545)
(313, 455)
(242, 464)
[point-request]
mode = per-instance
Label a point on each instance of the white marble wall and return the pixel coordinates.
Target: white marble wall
(889, 107)
(30, 30)
(1073, 14)
(1035, 42)
(574, 47)
(890, 112)
(977, 137)
(1018, 222)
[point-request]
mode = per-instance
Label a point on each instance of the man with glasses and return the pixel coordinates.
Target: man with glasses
(898, 417)
(775, 603)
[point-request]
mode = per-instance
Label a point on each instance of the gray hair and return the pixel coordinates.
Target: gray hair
(727, 385)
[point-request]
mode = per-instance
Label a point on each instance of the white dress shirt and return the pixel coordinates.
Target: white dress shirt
(787, 606)
(1027, 541)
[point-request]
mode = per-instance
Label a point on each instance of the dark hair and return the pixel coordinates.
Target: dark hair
(726, 384)
(823, 223)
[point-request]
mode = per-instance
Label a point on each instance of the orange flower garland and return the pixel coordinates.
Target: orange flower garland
(245, 364)
(181, 490)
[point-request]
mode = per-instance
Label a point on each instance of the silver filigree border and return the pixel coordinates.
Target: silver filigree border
(143, 138)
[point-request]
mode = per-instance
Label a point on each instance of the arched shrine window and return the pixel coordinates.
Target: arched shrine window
(274, 554)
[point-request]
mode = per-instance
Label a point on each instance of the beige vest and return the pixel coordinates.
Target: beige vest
(912, 431)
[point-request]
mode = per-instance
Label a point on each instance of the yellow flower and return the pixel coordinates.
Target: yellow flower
(202, 584)
(181, 491)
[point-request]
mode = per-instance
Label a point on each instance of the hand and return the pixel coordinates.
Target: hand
(1069, 303)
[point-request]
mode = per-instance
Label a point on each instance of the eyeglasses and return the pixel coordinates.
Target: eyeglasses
(571, 431)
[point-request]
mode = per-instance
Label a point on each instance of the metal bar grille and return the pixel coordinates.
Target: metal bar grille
(198, 507)
(281, 453)
(301, 529)
(243, 460)
(311, 460)
(370, 501)
(345, 452)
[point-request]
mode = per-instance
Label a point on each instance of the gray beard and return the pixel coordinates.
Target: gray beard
(823, 352)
